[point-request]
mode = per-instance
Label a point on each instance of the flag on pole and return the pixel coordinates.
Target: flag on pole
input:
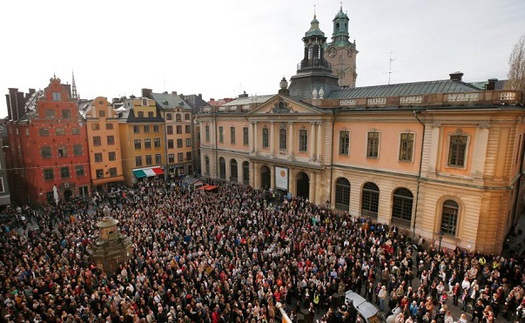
(285, 317)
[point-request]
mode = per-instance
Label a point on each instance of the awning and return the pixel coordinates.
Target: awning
(148, 172)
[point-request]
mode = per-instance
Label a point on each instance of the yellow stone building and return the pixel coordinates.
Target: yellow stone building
(439, 159)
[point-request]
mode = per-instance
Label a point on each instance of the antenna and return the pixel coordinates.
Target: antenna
(390, 66)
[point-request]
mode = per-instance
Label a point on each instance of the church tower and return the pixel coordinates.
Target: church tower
(314, 78)
(341, 53)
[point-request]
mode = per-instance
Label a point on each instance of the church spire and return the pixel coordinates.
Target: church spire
(340, 34)
(74, 93)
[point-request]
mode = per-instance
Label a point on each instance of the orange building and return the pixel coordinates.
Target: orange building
(48, 154)
(142, 140)
(103, 142)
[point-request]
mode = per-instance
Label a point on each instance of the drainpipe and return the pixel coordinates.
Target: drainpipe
(416, 112)
(335, 113)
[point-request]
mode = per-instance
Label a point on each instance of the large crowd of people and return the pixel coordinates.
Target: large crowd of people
(231, 256)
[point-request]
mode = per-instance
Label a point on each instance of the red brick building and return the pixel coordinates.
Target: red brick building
(47, 145)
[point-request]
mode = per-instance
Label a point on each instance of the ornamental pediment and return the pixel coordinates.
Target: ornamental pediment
(283, 106)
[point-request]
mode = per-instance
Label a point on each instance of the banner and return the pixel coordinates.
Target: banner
(281, 178)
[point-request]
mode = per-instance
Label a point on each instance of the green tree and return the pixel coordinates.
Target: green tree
(516, 73)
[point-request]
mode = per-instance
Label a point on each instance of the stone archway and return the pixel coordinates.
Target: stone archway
(266, 177)
(302, 188)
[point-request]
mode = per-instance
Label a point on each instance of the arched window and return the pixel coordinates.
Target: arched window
(246, 173)
(342, 194)
(207, 165)
(402, 207)
(370, 200)
(234, 177)
(449, 217)
(222, 168)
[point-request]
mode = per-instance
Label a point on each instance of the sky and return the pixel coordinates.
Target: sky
(222, 48)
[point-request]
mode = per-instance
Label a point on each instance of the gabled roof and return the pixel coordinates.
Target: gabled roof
(169, 101)
(402, 89)
(257, 99)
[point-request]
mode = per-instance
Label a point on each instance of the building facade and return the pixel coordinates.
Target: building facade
(439, 159)
(142, 139)
(103, 143)
(48, 152)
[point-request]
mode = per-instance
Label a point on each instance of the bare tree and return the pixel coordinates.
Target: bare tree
(516, 73)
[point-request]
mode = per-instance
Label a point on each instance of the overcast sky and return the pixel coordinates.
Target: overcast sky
(222, 48)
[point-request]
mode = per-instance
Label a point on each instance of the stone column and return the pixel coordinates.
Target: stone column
(434, 143)
(272, 139)
(480, 150)
(291, 141)
(313, 183)
(253, 143)
(319, 143)
(272, 176)
(256, 175)
(311, 142)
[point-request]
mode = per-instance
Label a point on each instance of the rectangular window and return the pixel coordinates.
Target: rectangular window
(146, 129)
(170, 130)
(98, 157)
(406, 147)
(170, 144)
(372, 148)
(187, 129)
(48, 174)
(303, 140)
(138, 161)
(57, 96)
(158, 159)
(177, 117)
(169, 116)
(151, 114)
(171, 158)
(64, 172)
(221, 134)
(137, 144)
(75, 131)
(60, 131)
(66, 114)
(156, 142)
(282, 139)
(62, 151)
(188, 155)
(344, 142)
(95, 126)
(179, 143)
(245, 136)
(207, 133)
(180, 157)
(187, 116)
(149, 160)
(43, 132)
(109, 126)
(113, 171)
(136, 129)
(156, 128)
(145, 102)
(45, 152)
(50, 114)
(79, 170)
(111, 140)
(265, 139)
(457, 150)
(112, 156)
(232, 135)
(77, 150)
(97, 141)
(141, 114)
(147, 143)
(100, 173)
(179, 129)
(101, 113)
(188, 142)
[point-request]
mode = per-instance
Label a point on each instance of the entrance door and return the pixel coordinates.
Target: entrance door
(266, 177)
(67, 195)
(303, 185)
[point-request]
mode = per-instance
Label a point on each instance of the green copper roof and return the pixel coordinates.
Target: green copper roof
(314, 29)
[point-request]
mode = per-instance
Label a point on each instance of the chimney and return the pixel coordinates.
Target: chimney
(243, 95)
(147, 92)
(456, 76)
(491, 85)
(200, 95)
(174, 92)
